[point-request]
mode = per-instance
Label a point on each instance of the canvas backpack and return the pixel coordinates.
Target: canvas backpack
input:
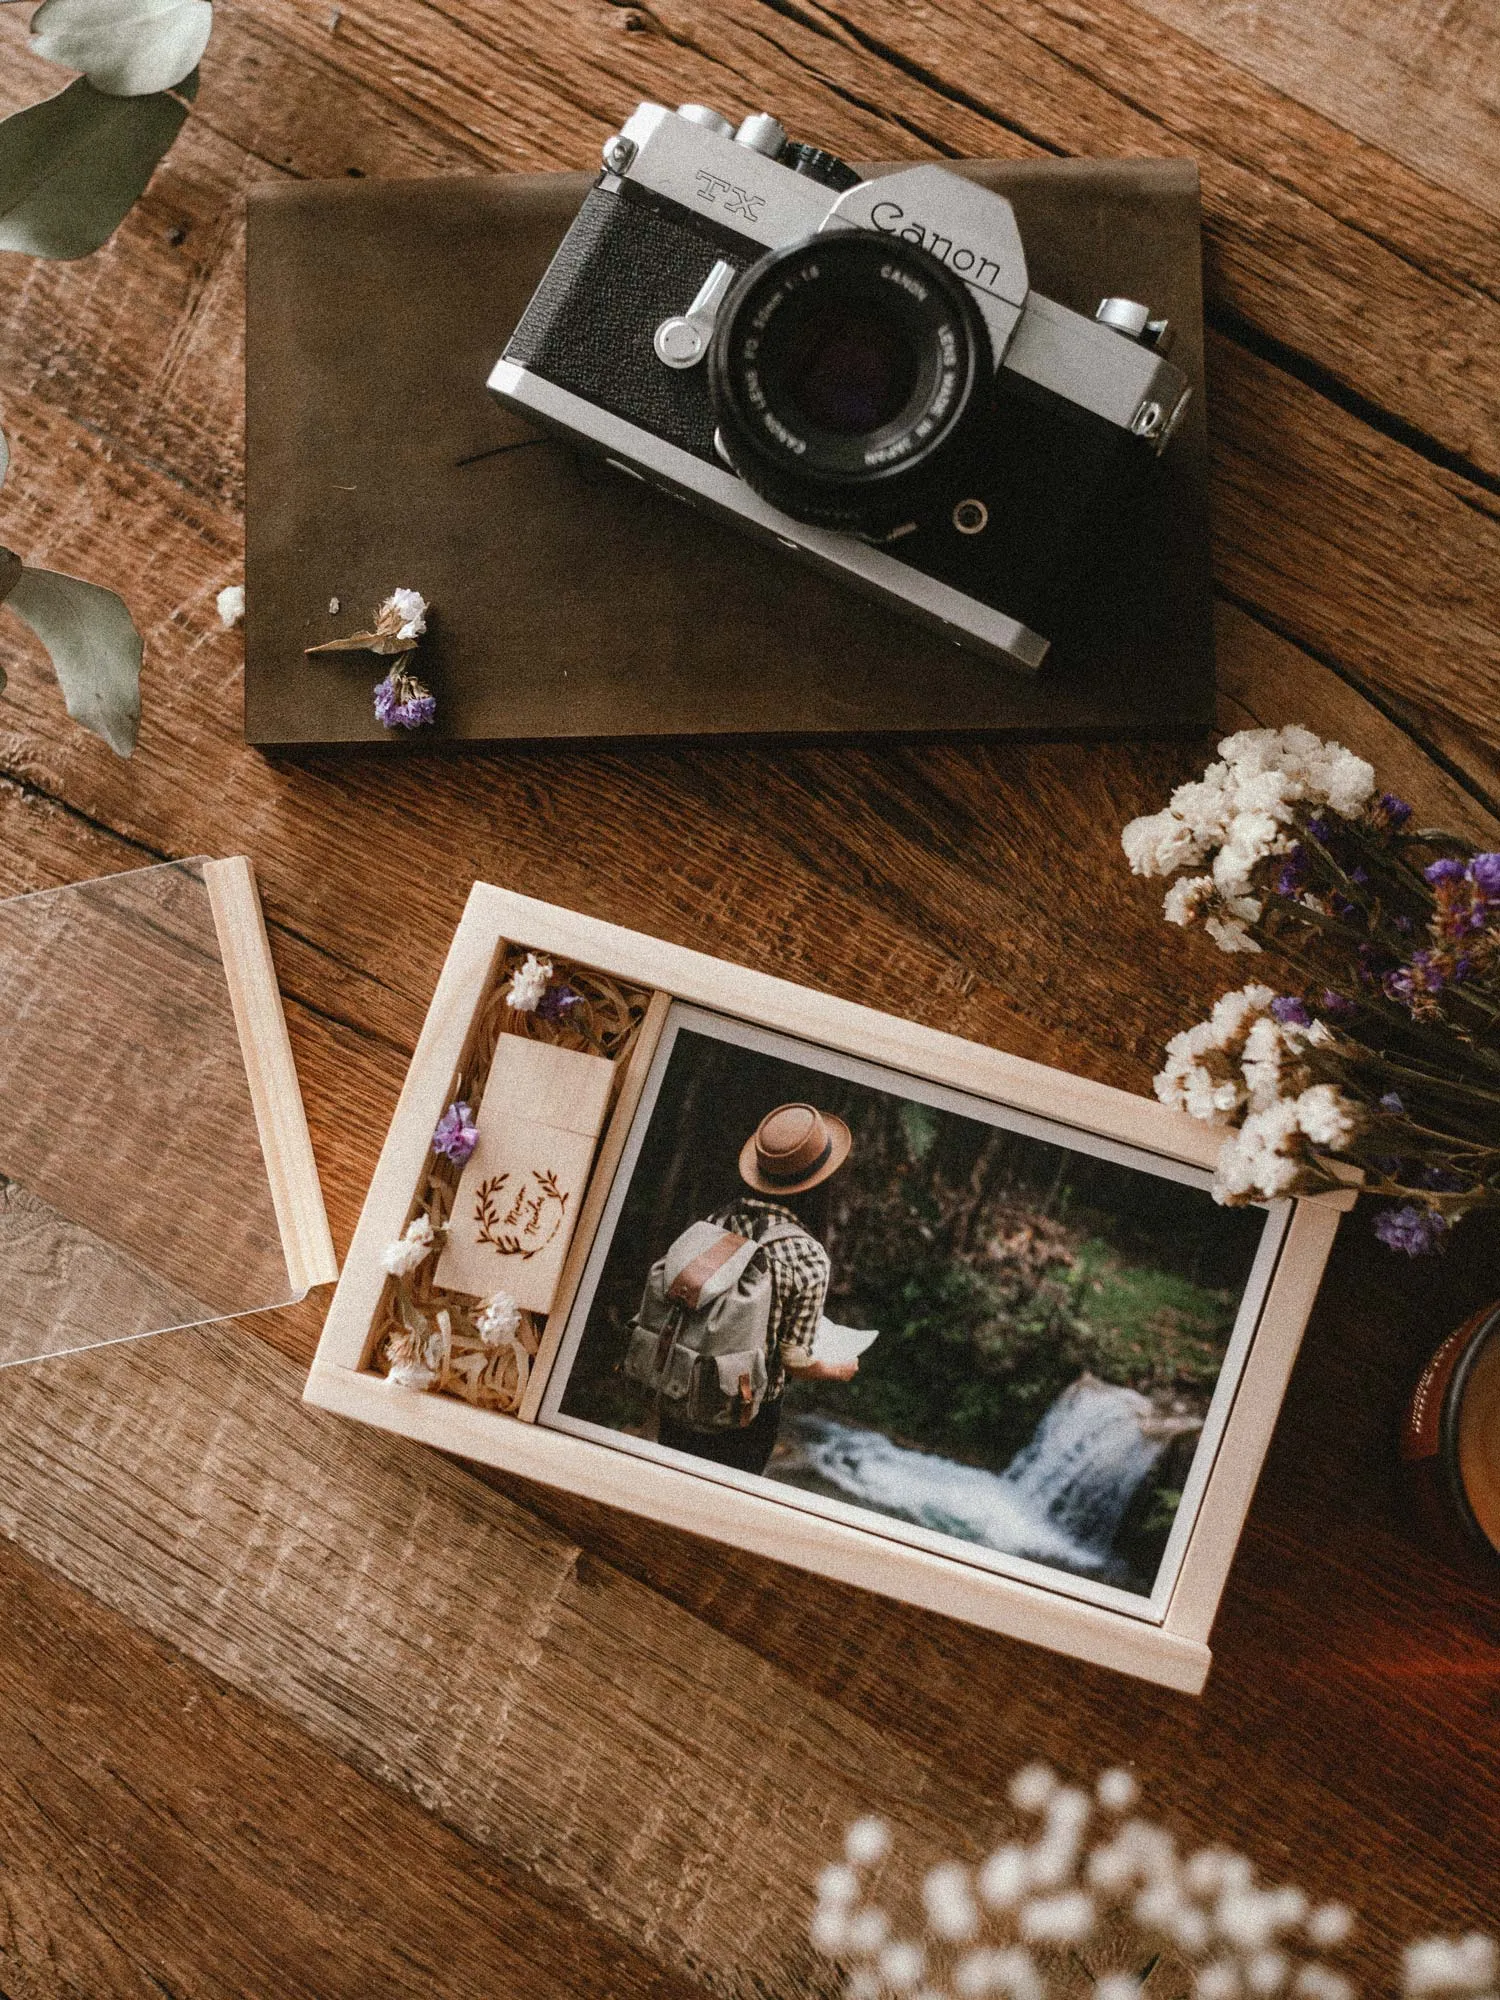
(698, 1342)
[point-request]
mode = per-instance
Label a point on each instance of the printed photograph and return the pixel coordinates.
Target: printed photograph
(954, 1323)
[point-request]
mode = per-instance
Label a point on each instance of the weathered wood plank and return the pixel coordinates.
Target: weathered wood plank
(1420, 78)
(622, 1753)
(163, 1833)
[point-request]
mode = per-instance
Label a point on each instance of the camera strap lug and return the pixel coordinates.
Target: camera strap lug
(682, 341)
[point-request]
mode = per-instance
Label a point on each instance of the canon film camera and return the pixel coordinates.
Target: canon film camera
(854, 369)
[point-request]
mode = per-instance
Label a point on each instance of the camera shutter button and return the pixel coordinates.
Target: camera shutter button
(762, 134)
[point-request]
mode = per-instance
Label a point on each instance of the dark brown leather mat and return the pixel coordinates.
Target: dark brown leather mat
(571, 602)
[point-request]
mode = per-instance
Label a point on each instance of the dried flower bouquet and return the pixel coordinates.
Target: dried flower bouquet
(433, 1338)
(1383, 1051)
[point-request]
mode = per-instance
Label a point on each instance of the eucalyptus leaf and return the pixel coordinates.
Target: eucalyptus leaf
(95, 649)
(126, 48)
(71, 166)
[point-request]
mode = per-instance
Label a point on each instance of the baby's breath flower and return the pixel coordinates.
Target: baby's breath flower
(412, 1247)
(411, 1375)
(867, 1930)
(1064, 1919)
(231, 605)
(1451, 1965)
(1031, 1788)
(406, 611)
(528, 983)
(902, 1965)
(949, 1901)
(499, 1321)
(1002, 1879)
(1330, 1925)
(1117, 1790)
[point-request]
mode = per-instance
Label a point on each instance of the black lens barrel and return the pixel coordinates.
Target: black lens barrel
(846, 372)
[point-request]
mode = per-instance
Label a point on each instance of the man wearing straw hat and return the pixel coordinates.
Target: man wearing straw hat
(791, 1155)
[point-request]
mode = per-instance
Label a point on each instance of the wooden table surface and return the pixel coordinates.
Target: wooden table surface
(291, 1709)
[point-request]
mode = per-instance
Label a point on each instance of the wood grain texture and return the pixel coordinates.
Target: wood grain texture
(162, 1833)
(419, 1625)
(1348, 172)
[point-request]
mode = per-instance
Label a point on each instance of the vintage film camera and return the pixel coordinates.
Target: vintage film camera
(857, 370)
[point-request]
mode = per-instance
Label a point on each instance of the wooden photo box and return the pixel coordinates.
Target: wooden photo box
(825, 1285)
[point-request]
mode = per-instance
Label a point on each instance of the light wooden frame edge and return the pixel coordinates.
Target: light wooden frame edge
(1174, 1653)
(266, 1046)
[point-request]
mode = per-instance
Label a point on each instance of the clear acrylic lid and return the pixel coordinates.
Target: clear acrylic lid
(155, 1169)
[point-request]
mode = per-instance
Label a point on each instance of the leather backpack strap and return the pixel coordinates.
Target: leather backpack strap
(712, 1261)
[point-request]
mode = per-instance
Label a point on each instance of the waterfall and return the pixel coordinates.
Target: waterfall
(1060, 1500)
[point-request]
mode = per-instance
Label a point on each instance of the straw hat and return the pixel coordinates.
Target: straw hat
(793, 1148)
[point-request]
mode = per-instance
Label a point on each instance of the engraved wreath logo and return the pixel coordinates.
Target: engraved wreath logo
(519, 1215)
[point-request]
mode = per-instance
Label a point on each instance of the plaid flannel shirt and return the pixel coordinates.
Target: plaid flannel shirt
(799, 1271)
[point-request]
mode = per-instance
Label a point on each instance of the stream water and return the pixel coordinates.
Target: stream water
(1060, 1500)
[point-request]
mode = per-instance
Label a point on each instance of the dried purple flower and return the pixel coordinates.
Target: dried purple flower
(1320, 828)
(1416, 982)
(1292, 873)
(1359, 876)
(1405, 926)
(403, 702)
(1446, 870)
(1339, 1005)
(456, 1134)
(1391, 811)
(1484, 873)
(1446, 1180)
(1290, 1011)
(558, 1002)
(1417, 1231)
(1392, 1102)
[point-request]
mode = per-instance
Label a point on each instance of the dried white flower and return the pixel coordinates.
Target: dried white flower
(528, 983)
(1231, 933)
(407, 609)
(838, 1884)
(1064, 1919)
(410, 1375)
(902, 1965)
(1031, 1788)
(1327, 1117)
(1263, 1159)
(231, 603)
(867, 1930)
(829, 1930)
(1266, 1972)
(990, 1970)
(1330, 1925)
(1159, 844)
(1003, 1878)
(333, 607)
(1187, 897)
(1218, 1981)
(499, 1321)
(1317, 1982)
(1117, 1789)
(1451, 1965)
(1117, 1986)
(408, 1252)
(949, 1901)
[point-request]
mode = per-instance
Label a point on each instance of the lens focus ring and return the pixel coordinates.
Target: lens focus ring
(845, 373)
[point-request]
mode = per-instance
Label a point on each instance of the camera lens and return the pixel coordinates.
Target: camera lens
(845, 372)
